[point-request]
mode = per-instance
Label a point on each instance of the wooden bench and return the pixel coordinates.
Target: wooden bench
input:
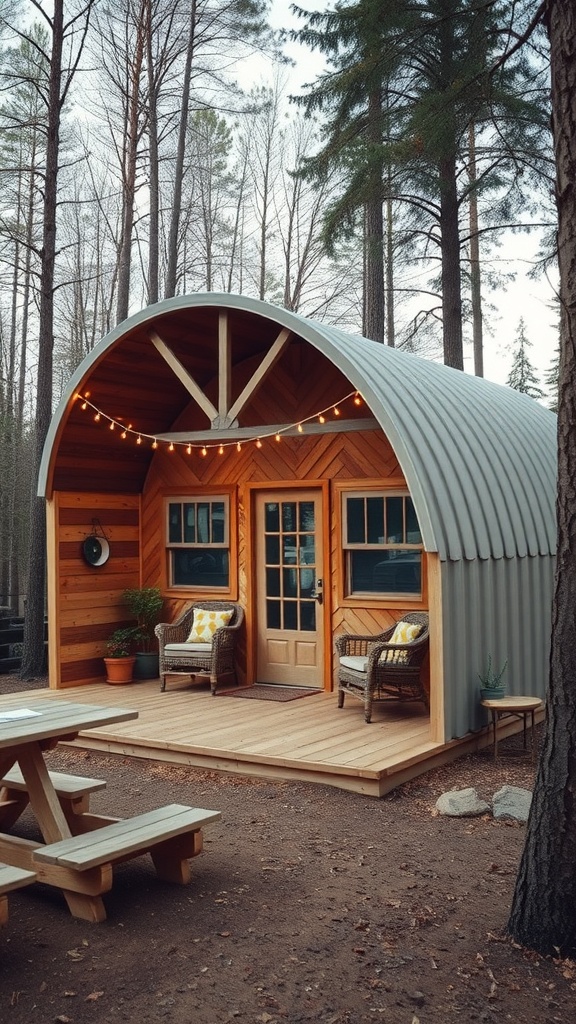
(10, 879)
(172, 835)
(73, 792)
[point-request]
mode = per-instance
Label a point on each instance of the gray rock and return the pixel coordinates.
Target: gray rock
(512, 802)
(462, 803)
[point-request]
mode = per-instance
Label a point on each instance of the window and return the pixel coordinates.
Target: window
(198, 542)
(382, 544)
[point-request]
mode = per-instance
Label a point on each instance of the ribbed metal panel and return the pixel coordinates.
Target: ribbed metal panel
(499, 607)
(479, 459)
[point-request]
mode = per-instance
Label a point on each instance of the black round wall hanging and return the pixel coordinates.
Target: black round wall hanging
(96, 550)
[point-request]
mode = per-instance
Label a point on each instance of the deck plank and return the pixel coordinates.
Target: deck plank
(309, 738)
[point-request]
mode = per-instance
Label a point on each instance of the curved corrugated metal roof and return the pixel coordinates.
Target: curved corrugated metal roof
(479, 459)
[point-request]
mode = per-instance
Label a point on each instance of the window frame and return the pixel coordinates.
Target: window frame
(203, 496)
(364, 489)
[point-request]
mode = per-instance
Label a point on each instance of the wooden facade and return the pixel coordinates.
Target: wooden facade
(121, 483)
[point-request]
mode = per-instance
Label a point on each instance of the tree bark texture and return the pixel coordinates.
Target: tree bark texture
(450, 250)
(32, 664)
(174, 232)
(543, 914)
(475, 271)
(374, 311)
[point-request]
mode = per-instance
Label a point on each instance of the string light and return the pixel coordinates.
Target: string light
(204, 449)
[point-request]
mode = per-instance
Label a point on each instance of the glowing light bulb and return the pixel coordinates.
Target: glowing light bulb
(221, 450)
(278, 438)
(171, 446)
(111, 424)
(138, 439)
(86, 394)
(321, 419)
(123, 434)
(155, 443)
(84, 405)
(300, 428)
(336, 410)
(97, 417)
(238, 447)
(258, 443)
(189, 449)
(357, 399)
(204, 451)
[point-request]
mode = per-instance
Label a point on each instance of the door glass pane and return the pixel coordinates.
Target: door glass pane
(375, 520)
(308, 616)
(290, 614)
(307, 550)
(306, 582)
(289, 551)
(273, 614)
(273, 582)
(355, 520)
(306, 515)
(289, 515)
(272, 545)
(271, 517)
(289, 579)
(395, 520)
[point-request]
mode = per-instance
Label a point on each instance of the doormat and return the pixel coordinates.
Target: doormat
(262, 691)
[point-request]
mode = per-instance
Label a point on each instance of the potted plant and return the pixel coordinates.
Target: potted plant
(492, 687)
(145, 604)
(120, 658)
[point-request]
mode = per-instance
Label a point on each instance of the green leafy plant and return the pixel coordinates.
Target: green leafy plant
(492, 679)
(145, 604)
(120, 643)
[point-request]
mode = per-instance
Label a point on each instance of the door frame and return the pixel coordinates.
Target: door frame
(277, 487)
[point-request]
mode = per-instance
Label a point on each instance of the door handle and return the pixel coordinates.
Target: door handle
(318, 593)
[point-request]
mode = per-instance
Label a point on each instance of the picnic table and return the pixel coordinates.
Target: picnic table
(79, 847)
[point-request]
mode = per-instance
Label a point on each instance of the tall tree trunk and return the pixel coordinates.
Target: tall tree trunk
(374, 311)
(543, 914)
(173, 234)
(450, 251)
(390, 318)
(33, 652)
(153, 169)
(475, 273)
(129, 163)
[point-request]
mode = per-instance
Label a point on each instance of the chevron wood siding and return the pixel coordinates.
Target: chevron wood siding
(88, 599)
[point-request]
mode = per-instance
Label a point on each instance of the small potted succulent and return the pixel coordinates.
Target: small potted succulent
(492, 687)
(119, 660)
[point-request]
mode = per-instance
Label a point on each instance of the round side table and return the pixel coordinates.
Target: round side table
(515, 707)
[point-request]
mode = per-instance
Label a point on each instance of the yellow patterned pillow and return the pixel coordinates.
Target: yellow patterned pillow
(404, 633)
(205, 623)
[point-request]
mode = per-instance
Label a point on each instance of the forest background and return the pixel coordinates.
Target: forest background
(150, 148)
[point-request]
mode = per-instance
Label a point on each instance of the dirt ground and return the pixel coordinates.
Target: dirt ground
(308, 904)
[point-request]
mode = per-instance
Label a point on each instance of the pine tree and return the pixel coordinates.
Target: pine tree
(522, 376)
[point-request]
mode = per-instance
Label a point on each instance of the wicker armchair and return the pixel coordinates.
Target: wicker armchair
(214, 659)
(364, 673)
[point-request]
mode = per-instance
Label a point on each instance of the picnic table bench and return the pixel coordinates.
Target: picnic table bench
(11, 878)
(73, 792)
(84, 863)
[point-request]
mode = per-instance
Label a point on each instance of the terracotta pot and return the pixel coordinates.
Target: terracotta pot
(119, 670)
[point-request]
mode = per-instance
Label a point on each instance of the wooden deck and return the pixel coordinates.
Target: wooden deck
(309, 739)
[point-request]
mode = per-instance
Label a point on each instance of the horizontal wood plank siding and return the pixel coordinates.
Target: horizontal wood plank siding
(89, 606)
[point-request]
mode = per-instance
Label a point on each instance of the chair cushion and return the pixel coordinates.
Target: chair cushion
(404, 633)
(205, 623)
(356, 662)
(188, 648)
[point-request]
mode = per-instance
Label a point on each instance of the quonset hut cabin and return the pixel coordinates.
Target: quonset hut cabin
(336, 484)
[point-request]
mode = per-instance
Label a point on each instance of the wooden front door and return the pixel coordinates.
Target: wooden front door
(289, 588)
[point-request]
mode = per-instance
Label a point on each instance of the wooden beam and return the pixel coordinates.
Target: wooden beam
(184, 377)
(335, 426)
(224, 370)
(255, 381)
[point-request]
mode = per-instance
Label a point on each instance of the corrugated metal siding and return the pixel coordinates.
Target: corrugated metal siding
(503, 608)
(479, 459)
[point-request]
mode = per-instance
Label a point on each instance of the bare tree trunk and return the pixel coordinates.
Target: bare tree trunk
(170, 287)
(153, 175)
(450, 249)
(129, 163)
(33, 652)
(475, 273)
(374, 311)
(390, 319)
(543, 914)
